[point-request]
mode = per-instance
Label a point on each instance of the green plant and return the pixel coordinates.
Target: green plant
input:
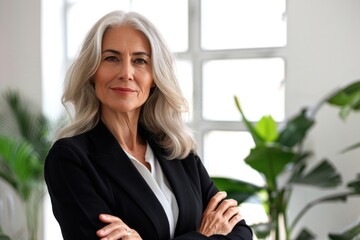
(24, 143)
(279, 150)
(3, 236)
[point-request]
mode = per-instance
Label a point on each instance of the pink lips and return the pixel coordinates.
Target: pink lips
(123, 90)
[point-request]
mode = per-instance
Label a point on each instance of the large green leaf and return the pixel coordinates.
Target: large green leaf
(353, 105)
(23, 168)
(24, 143)
(236, 189)
(267, 129)
(4, 237)
(31, 125)
(299, 165)
(323, 175)
(347, 98)
(305, 234)
(345, 95)
(255, 135)
(270, 161)
(350, 234)
(7, 174)
(295, 130)
(355, 185)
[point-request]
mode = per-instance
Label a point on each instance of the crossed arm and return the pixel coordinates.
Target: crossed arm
(78, 206)
(220, 217)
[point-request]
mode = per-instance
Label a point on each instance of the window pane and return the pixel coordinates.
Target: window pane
(82, 15)
(230, 24)
(258, 83)
(184, 74)
(224, 154)
(172, 22)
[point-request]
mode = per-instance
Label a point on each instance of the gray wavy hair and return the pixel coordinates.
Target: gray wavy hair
(162, 112)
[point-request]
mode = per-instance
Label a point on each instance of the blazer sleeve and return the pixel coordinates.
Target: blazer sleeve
(202, 181)
(75, 201)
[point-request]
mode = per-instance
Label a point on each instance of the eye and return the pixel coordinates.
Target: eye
(140, 61)
(111, 59)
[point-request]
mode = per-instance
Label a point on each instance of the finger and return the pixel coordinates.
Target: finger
(107, 218)
(235, 219)
(225, 205)
(115, 225)
(230, 212)
(133, 235)
(220, 218)
(214, 201)
(118, 233)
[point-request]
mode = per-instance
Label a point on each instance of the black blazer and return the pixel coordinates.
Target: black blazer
(90, 174)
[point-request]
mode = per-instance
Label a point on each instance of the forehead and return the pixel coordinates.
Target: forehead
(125, 36)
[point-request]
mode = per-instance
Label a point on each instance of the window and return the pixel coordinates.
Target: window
(241, 24)
(257, 82)
(81, 15)
(224, 48)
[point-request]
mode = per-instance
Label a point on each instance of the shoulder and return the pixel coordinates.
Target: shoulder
(199, 176)
(65, 150)
(93, 140)
(192, 160)
(78, 143)
(194, 167)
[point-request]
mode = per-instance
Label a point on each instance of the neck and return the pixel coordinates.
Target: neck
(125, 129)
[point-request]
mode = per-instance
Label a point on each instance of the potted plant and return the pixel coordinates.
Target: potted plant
(24, 143)
(279, 150)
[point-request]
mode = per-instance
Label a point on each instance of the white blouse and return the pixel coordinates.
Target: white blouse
(159, 185)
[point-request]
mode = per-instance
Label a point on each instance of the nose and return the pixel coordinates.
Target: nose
(126, 70)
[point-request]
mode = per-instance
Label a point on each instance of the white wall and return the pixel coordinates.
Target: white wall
(324, 52)
(20, 69)
(20, 66)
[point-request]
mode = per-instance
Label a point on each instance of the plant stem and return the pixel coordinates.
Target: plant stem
(32, 213)
(341, 196)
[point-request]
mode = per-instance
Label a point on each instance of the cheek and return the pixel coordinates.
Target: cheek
(101, 78)
(148, 87)
(100, 85)
(104, 73)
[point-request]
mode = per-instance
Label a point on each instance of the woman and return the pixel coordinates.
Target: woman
(125, 167)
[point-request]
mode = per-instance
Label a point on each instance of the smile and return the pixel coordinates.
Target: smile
(123, 90)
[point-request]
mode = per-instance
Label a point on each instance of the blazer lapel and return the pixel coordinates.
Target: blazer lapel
(109, 156)
(187, 200)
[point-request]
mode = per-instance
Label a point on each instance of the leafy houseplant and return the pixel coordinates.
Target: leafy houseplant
(280, 150)
(23, 146)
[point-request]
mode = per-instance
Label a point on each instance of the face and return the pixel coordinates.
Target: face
(124, 77)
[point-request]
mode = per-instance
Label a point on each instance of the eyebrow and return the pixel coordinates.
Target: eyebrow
(119, 53)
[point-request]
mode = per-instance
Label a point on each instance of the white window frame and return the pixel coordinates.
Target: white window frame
(198, 56)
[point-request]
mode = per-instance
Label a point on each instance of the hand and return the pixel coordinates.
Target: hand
(220, 216)
(116, 229)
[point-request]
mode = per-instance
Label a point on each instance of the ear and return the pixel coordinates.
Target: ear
(153, 84)
(92, 82)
